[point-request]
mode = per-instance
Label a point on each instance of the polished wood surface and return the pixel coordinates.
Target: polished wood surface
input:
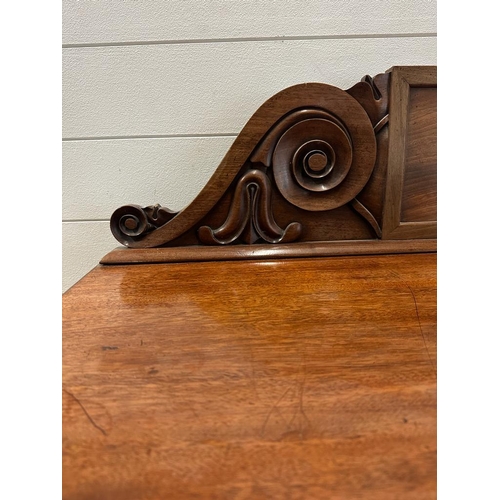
(291, 379)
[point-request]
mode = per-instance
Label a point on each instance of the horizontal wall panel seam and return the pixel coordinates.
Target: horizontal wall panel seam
(99, 176)
(159, 136)
(185, 21)
(79, 221)
(190, 90)
(249, 39)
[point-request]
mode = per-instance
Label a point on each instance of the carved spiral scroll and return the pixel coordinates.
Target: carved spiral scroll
(318, 163)
(132, 221)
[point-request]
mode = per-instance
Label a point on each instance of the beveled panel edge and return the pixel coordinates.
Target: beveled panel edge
(421, 76)
(402, 79)
(123, 255)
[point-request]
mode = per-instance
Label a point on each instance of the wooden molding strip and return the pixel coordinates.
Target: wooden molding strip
(265, 252)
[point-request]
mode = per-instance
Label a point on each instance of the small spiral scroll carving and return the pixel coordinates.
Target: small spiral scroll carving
(250, 216)
(132, 221)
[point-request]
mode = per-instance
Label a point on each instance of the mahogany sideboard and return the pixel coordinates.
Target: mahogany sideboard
(277, 337)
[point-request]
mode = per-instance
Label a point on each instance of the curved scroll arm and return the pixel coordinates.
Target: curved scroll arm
(313, 145)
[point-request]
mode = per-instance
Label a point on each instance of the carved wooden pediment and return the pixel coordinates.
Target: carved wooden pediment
(316, 171)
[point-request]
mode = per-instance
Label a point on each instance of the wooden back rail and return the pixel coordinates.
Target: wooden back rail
(316, 171)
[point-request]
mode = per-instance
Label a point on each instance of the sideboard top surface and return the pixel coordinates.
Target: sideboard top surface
(302, 378)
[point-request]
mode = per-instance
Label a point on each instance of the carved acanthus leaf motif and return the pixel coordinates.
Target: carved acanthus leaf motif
(373, 95)
(250, 216)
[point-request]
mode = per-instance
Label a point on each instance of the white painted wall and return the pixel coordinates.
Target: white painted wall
(155, 91)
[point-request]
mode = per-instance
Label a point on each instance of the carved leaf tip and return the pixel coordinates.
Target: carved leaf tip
(250, 216)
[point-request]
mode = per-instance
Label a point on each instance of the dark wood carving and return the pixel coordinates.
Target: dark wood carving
(250, 216)
(314, 164)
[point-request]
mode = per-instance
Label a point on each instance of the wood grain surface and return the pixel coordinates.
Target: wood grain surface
(419, 196)
(305, 378)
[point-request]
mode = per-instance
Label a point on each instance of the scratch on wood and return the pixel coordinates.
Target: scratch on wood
(91, 420)
(272, 409)
(301, 396)
(252, 378)
(394, 273)
(301, 403)
(299, 386)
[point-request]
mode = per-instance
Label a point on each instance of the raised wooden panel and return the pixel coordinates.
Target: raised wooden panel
(316, 167)
(419, 198)
(410, 197)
